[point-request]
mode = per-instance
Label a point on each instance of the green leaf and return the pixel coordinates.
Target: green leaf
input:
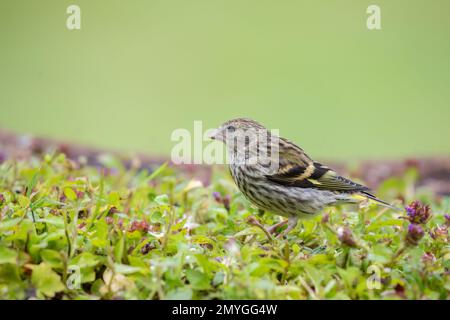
(156, 217)
(162, 199)
(101, 234)
(264, 265)
(70, 194)
(46, 281)
(208, 265)
(7, 255)
(9, 273)
(179, 294)
(380, 254)
(197, 279)
(199, 239)
(349, 275)
(53, 258)
(87, 275)
(85, 259)
(114, 198)
(219, 277)
(24, 201)
(119, 249)
(23, 230)
(8, 224)
(58, 222)
(384, 223)
(126, 269)
(157, 172)
(32, 183)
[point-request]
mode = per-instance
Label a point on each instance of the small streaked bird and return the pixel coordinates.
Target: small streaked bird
(277, 176)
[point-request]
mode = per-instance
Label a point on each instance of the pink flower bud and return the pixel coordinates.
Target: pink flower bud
(415, 233)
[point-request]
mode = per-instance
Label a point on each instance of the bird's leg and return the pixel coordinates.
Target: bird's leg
(274, 228)
(292, 223)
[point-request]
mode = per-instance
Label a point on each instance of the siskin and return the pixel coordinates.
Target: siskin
(277, 176)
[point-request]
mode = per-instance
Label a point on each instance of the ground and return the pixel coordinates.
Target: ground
(72, 230)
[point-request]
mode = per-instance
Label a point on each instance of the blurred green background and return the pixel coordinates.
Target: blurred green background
(139, 69)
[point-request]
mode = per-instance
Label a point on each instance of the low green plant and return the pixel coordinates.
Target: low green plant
(75, 231)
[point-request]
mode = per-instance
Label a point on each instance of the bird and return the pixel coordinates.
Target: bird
(277, 176)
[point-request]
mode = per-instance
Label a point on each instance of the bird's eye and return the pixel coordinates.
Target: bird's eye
(231, 129)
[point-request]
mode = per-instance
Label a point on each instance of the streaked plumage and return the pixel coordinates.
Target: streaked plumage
(297, 187)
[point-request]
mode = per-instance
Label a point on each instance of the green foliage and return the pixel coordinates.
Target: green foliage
(69, 231)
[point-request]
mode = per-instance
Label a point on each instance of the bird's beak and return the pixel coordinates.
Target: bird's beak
(213, 134)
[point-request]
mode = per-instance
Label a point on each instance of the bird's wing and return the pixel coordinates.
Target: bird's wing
(296, 169)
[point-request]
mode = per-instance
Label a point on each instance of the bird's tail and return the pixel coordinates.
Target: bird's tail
(379, 201)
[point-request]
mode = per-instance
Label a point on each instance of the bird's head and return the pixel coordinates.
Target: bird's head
(249, 143)
(235, 128)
